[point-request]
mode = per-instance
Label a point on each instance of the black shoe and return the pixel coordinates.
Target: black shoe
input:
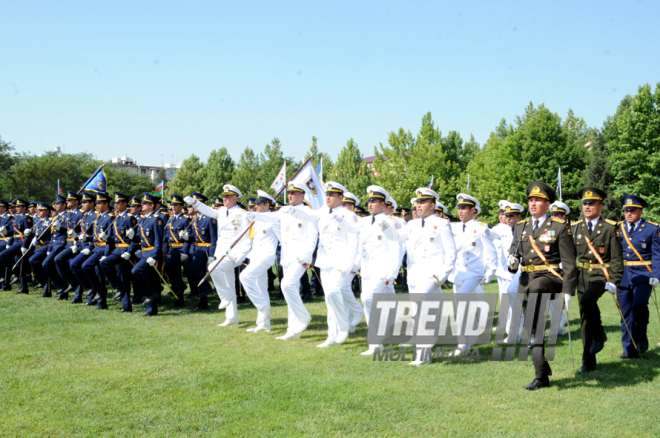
(148, 314)
(117, 296)
(46, 296)
(191, 295)
(63, 297)
(306, 298)
(643, 347)
(538, 384)
(136, 300)
(586, 369)
(126, 310)
(531, 343)
(78, 301)
(21, 292)
(597, 346)
(104, 307)
(200, 309)
(629, 356)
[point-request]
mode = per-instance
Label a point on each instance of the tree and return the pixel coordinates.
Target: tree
(351, 171)
(217, 172)
(327, 160)
(247, 172)
(632, 138)
(597, 173)
(271, 160)
(189, 177)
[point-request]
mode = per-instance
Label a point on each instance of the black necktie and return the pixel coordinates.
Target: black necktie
(464, 228)
(536, 225)
(422, 223)
(513, 231)
(632, 228)
(590, 227)
(373, 218)
(227, 211)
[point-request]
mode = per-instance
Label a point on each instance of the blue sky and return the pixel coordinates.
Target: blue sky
(174, 78)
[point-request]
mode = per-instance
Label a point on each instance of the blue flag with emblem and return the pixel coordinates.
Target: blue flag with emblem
(97, 182)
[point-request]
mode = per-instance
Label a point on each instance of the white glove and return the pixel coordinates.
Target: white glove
(512, 262)
(23, 250)
(130, 233)
(86, 252)
(384, 225)
(138, 252)
(57, 225)
(27, 232)
(72, 234)
(437, 281)
(183, 234)
(487, 279)
(47, 253)
(3, 229)
(74, 249)
(190, 200)
(184, 257)
(126, 255)
(611, 288)
(102, 258)
(249, 216)
(211, 260)
(81, 237)
(151, 261)
(103, 236)
(653, 282)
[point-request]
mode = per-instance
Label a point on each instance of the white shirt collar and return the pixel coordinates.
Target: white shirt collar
(594, 222)
(541, 220)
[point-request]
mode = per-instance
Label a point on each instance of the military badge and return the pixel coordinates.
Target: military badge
(546, 248)
(601, 250)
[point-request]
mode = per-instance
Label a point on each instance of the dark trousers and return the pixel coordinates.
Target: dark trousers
(7, 260)
(539, 285)
(57, 282)
(591, 324)
(62, 260)
(95, 276)
(173, 266)
(197, 270)
(118, 272)
(635, 308)
(75, 264)
(36, 262)
(148, 280)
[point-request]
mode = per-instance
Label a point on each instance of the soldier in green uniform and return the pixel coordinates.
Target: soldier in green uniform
(542, 244)
(600, 267)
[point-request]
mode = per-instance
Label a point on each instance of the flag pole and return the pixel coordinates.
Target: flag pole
(293, 177)
(91, 178)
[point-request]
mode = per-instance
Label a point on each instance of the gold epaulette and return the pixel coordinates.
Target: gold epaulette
(186, 216)
(129, 214)
(653, 223)
(561, 221)
(611, 222)
(483, 224)
(574, 223)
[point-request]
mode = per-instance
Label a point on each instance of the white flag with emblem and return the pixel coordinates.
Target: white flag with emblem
(314, 189)
(280, 180)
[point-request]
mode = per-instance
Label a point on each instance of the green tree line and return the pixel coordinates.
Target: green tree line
(621, 157)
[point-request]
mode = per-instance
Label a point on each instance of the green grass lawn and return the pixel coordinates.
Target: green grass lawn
(71, 370)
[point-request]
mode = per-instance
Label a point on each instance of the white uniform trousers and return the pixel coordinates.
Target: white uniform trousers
(299, 316)
(427, 287)
(224, 280)
(503, 286)
(338, 323)
(470, 285)
(513, 289)
(353, 307)
(370, 287)
(254, 279)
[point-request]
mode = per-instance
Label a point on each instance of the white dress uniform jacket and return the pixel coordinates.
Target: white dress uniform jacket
(476, 259)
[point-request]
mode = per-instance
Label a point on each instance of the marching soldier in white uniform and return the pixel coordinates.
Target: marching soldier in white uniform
(379, 256)
(231, 224)
(298, 239)
(353, 307)
(431, 252)
(476, 257)
(336, 256)
(265, 238)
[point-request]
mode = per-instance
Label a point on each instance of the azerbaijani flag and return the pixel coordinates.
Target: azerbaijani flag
(158, 191)
(431, 183)
(468, 186)
(59, 190)
(558, 189)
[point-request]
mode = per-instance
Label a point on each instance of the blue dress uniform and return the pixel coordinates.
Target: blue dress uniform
(202, 239)
(22, 222)
(641, 263)
(72, 224)
(114, 265)
(42, 237)
(57, 245)
(77, 277)
(174, 248)
(150, 233)
(90, 267)
(6, 234)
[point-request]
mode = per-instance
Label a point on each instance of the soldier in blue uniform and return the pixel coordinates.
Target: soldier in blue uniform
(201, 238)
(6, 232)
(174, 247)
(21, 230)
(150, 233)
(32, 209)
(57, 244)
(42, 233)
(76, 276)
(100, 239)
(115, 263)
(71, 226)
(641, 269)
(135, 207)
